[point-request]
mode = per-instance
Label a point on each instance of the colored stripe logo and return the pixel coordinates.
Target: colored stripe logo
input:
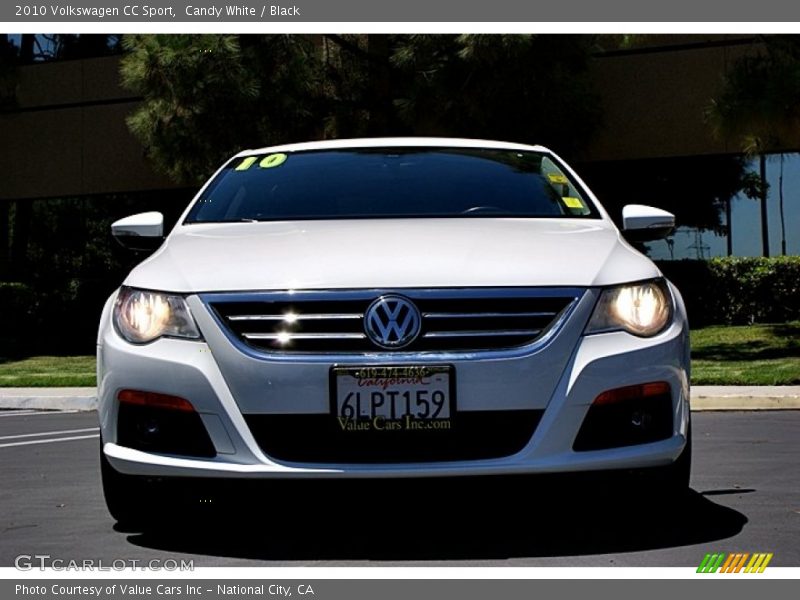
(737, 562)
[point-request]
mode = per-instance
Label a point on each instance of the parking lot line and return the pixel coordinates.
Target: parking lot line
(50, 441)
(30, 413)
(45, 433)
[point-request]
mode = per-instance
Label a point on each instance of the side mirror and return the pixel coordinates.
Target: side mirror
(644, 223)
(144, 231)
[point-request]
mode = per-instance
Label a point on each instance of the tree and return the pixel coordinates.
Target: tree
(206, 97)
(759, 106)
(358, 87)
(209, 96)
(527, 88)
(696, 189)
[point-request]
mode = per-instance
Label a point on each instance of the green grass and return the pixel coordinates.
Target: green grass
(48, 371)
(746, 355)
(721, 355)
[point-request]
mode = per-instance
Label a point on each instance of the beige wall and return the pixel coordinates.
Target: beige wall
(654, 102)
(70, 137)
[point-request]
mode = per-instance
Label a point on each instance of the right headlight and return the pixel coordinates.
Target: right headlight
(643, 309)
(141, 316)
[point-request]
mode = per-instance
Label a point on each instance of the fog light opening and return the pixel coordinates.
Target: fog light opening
(161, 423)
(641, 419)
(634, 414)
(150, 429)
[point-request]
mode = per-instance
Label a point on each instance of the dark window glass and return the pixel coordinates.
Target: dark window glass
(390, 183)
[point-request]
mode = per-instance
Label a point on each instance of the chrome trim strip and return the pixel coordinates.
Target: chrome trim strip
(499, 332)
(396, 356)
(296, 317)
(304, 336)
(487, 315)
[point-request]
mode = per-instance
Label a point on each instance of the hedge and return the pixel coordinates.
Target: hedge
(738, 291)
(51, 320)
(16, 316)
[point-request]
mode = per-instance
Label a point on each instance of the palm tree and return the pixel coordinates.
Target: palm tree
(759, 107)
(780, 198)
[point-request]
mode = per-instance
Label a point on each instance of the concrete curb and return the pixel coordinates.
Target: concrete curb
(49, 398)
(744, 403)
(704, 398)
(762, 397)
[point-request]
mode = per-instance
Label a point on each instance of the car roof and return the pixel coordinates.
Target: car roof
(397, 142)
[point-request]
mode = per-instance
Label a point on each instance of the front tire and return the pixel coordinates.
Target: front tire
(671, 482)
(128, 497)
(662, 484)
(678, 474)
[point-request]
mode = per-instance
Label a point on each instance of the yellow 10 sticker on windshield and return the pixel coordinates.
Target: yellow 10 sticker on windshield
(246, 163)
(572, 202)
(272, 161)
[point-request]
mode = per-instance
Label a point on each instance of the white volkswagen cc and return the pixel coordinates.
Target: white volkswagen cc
(391, 308)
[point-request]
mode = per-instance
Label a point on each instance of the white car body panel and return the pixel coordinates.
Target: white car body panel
(560, 376)
(396, 253)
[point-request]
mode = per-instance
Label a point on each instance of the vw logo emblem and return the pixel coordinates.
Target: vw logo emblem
(392, 322)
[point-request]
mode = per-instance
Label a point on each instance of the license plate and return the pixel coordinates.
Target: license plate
(396, 397)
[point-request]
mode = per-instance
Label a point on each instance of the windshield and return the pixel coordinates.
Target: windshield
(390, 183)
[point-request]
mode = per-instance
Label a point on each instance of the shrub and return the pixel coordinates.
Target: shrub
(738, 291)
(17, 310)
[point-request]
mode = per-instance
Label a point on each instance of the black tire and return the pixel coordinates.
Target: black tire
(142, 503)
(127, 496)
(662, 484)
(672, 482)
(678, 474)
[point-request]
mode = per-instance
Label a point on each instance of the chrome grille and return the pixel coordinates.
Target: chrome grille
(333, 322)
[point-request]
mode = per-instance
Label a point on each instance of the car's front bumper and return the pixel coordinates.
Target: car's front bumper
(562, 378)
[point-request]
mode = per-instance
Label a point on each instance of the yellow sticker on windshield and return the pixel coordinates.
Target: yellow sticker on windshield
(246, 163)
(558, 178)
(272, 161)
(573, 202)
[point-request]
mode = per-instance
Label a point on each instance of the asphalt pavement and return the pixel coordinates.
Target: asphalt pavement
(745, 498)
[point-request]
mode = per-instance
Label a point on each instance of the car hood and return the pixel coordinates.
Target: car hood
(391, 253)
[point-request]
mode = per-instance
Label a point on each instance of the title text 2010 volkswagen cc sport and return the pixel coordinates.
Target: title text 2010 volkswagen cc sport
(398, 308)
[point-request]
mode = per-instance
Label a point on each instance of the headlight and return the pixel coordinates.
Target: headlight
(642, 309)
(141, 316)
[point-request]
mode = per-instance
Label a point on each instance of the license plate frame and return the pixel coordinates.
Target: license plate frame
(405, 371)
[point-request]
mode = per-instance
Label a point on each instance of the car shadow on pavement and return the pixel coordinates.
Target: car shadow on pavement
(476, 519)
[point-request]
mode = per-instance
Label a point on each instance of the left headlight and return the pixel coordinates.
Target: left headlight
(643, 309)
(141, 316)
